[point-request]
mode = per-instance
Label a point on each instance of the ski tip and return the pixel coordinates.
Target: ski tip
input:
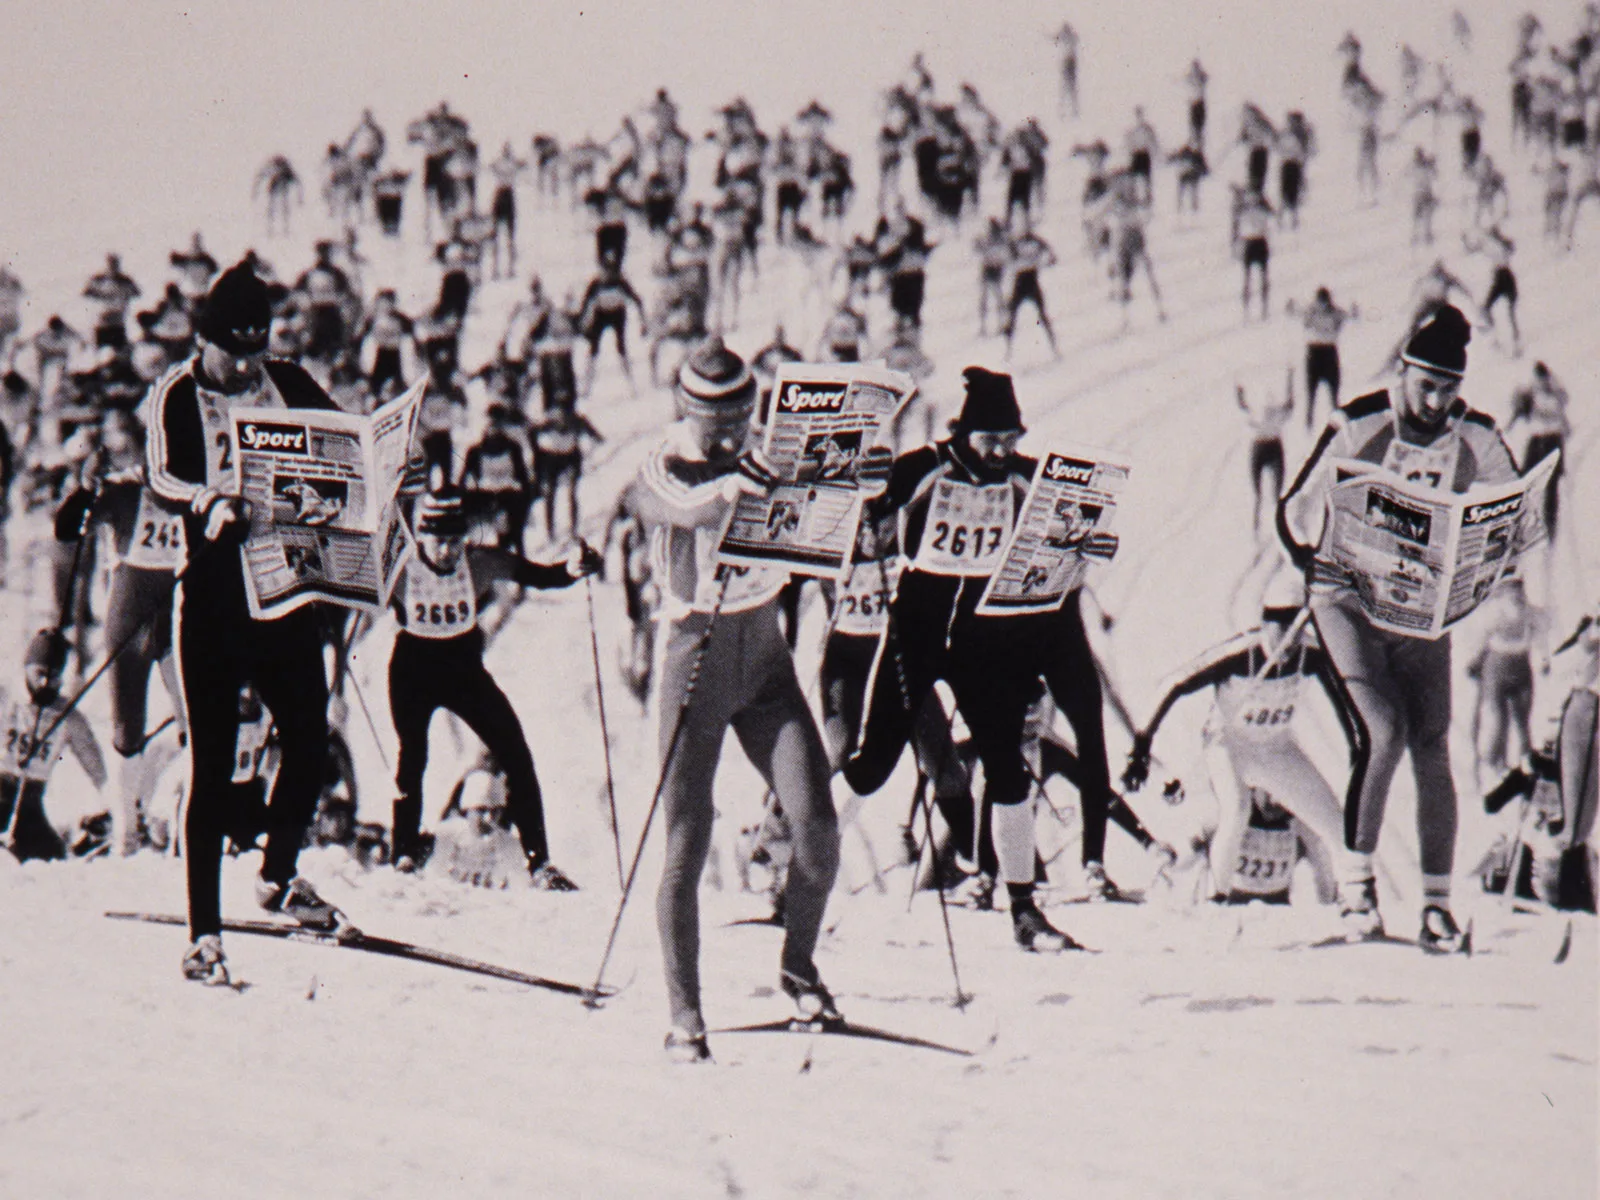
(1566, 943)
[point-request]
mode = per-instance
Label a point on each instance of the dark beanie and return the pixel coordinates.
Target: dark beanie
(990, 405)
(237, 313)
(47, 649)
(716, 382)
(1441, 343)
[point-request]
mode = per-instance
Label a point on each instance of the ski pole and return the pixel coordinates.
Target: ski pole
(605, 735)
(592, 997)
(962, 999)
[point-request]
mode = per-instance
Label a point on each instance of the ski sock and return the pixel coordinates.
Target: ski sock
(1436, 891)
(1013, 841)
(1021, 895)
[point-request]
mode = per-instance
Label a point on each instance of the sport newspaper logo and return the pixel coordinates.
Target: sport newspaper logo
(822, 397)
(1477, 514)
(274, 438)
(1060, 468)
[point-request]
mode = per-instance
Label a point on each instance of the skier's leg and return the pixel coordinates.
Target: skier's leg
(479, 702)
(288, 674)
(1422, 671)
(686, 798)
(781, 741)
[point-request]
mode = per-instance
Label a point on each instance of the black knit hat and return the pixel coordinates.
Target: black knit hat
(990, 405)
(715, 382)
(237, 313)
(47, 649)
(1441, 344)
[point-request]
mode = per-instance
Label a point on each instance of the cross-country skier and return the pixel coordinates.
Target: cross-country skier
(1503, 671)
(1252, 218)
(726, 664)
(1028, 253)
(1267, 422)
(496, 476)
(558, 445)
(147, 537)
(1395, 688)
(1323, 322)
(282, 186)
(1257, 676)
(220, 646)
(1498, 248)
(605, 306)
(956, 501)
(37, 732)
(438, 663)
(1541, 409)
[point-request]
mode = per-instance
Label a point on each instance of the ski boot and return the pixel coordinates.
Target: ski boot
(1439, 933)
(686, 1049)
(299, 901)
(547, 877)
(1358, 911)
(980, 892)
(1097, 888)
(812, 1000)
(205, 963)
(1037, 935)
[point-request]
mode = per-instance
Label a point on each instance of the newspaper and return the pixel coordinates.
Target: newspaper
(1420, 558)
(322, 488)
(1072, 495)
(824, 419)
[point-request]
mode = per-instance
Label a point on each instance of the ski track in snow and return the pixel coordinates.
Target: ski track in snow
(1199, 1054)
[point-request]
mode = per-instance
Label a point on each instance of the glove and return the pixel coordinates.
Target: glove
(224, 515)
(753, 465)
(583, 559)
(1138, 769)
(1101, 545)
(872, 475)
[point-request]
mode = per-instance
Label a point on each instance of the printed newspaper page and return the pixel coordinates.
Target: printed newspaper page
(323, 495)
(1072, 495)
(1422, 559)
(824, 419)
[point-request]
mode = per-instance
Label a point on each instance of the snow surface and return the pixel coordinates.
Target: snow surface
(1199, 1054)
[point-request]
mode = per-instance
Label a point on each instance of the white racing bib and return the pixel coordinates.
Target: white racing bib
(439, 606)
(1434, 466)
(966, 530)
(1266, 861)
(1258, 709)
(157, 542)
(863, 602)
(24, 740)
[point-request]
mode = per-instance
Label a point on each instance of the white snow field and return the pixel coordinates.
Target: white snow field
(1198, 1053)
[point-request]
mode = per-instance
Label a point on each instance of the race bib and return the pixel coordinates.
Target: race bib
(1266, 861)
(1433, 466)
(27, 753)
(157, 542)
(863, 603)
(966, 530)
(250, 749)
(439, 606)
(1258, 709)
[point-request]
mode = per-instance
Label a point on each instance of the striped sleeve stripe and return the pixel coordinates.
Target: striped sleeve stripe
(162, 481)
(672, 490)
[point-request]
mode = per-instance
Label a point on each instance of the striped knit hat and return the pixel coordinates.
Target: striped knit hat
(715, 382)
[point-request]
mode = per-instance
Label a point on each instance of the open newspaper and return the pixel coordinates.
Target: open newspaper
(323, 494)
(1422, 559)
(1072, 495)
(824, 418)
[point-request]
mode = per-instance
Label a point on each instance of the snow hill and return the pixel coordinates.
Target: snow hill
(1198, 1054)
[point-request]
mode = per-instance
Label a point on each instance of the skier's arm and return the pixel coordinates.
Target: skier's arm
(1221, 662)
(1307, 485)
(85, 747)
(175, 450)
(1572, 640)
(668, 499)
(489, 563)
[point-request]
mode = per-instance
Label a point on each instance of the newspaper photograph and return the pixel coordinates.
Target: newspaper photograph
(824, 419)
(1072, 496)
(1422, 559)
(322, 489)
